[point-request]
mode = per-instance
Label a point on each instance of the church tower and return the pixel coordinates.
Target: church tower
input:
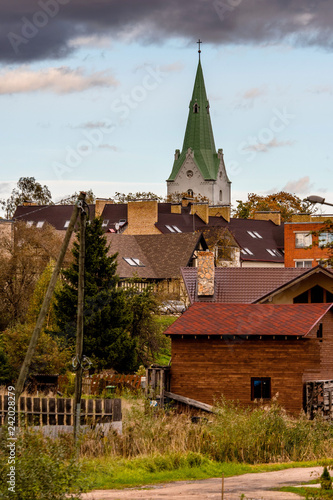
(198, 168)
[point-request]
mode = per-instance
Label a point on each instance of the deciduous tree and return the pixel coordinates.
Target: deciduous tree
(27, 189)
(283, 202)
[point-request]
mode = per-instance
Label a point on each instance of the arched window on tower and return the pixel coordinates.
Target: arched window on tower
(220, 196)
(190, 193)
(196, 108)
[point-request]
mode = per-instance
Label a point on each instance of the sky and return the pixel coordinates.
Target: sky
(95, 94)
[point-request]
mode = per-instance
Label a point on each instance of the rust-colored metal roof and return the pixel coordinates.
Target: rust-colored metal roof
(248, 319)
(241, 284)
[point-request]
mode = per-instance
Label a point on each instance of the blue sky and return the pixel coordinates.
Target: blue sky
(108, 112)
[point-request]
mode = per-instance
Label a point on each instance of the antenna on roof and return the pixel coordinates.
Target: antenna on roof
(199, 51)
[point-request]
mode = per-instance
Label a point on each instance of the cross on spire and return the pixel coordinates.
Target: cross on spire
(199, 42)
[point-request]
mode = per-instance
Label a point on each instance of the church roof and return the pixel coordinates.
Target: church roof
(199, 134)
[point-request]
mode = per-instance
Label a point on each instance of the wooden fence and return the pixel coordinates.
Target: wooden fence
(60, 411)
(98, 383)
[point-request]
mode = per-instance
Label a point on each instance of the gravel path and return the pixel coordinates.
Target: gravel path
(253, 486)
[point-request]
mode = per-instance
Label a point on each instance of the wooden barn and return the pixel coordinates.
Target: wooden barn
(248, 352)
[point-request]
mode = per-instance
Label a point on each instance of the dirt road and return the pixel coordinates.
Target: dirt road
(252, 486)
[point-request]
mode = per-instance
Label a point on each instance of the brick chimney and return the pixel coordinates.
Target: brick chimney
(206, 274)
(220, 211)
(202, 211)
(100, 204)
(142, 217)
(273, 216)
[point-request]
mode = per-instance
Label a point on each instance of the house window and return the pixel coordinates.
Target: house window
(105, 222)
(315, 295)
(67, 223)
(325, 239)
(190, 193)
(260, 388)
(40, 224)
(303, 240)
(133, 262)
(30, 223)
(220, 194)
(303, 263)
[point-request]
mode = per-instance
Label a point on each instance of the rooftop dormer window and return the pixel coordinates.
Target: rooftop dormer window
(196, 108)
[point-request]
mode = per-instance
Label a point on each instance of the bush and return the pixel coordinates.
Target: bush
(45, 468)
(325, 480)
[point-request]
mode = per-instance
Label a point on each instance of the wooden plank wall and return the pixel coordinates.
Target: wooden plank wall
(60, 411)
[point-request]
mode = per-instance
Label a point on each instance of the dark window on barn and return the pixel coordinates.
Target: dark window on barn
(260, 388)
(320, 331)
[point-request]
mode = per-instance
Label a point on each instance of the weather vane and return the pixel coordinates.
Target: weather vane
(199, 51)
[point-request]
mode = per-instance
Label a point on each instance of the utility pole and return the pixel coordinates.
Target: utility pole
(80, 321)
(46, 303)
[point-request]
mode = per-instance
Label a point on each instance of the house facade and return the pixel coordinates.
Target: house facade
(251, 352)
(302, 247)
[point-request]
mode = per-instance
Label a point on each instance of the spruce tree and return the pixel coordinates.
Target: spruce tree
(107, 316)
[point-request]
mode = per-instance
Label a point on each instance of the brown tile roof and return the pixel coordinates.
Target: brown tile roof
(241, 284)
(162, 255)
(248, 319)
(55, 215)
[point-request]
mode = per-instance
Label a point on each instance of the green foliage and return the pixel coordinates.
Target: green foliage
(37, 299)
(283, 202)
(27, 189)
(45, 468)
(71, 200)
(6, 371)
(325, 480)
(112, 315)
(50, 357)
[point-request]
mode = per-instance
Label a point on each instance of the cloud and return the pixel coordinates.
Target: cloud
(302, 186)
(246, 100)
(261, 147)
(33, 30)
(61, 80)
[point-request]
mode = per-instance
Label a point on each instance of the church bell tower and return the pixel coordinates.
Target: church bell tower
(198, 169)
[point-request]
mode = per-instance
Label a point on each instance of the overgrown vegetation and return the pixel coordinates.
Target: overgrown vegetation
(45, 468)
(234, 434)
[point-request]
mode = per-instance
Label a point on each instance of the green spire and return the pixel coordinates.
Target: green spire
(199, 134)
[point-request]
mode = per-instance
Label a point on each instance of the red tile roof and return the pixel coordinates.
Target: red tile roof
(241, 284)
(248, 319)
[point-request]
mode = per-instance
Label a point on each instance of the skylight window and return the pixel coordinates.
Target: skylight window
(67, 223)
(177, 229)
(252, 234)
(30, 223)
(274, 252)
(246, 251)
(133, 262)
(40, 224)
(257, 234)
(105, 222)
(171, 229)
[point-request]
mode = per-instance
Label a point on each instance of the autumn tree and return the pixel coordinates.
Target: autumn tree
(178, 197)
(72, 199)
(144, 195)
(283, 202)
(24, 256)
(27, 189)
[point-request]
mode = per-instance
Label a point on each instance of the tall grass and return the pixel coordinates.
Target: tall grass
(234, 434)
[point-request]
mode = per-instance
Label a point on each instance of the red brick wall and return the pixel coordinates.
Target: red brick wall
(291, 252)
